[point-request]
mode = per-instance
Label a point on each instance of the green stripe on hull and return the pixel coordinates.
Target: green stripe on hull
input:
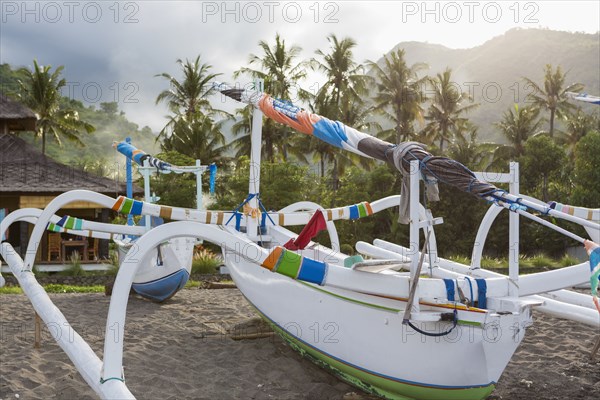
(377, 385)
(289, 264)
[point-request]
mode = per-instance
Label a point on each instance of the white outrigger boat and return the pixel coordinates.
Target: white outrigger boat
(381, 326)
(167, 268)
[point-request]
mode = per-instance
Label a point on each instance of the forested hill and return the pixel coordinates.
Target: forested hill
(111, 124)
(493, 72)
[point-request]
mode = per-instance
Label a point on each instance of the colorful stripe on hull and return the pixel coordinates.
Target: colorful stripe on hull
(293, 265)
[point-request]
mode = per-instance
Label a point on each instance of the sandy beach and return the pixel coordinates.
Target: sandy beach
(183, 349)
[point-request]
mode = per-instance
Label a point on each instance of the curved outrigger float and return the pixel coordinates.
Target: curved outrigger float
(388, 330)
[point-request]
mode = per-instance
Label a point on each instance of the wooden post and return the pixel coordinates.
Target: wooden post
(38, 332)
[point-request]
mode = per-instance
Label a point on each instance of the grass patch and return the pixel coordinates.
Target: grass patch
(537, 261)
(201, 284)
(192, 284)
(491, 262)
(11, 290)
(460, 259)
(75, 268)
(56, 288)
(541, 260)
(205, 262)
(567, 261)
(113, 256)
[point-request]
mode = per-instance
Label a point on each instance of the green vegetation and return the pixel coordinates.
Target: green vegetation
(567, 260)
(551, 96)
(396, 98)
(56, 288)
(11, 290)
(40, 90)
(74, 268)
(97, 155)
(205, 262)
(192, 284)
(537, 261)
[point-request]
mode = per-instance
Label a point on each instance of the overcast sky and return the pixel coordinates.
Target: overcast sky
(112, 50)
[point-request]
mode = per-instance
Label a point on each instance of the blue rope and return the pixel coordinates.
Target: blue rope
(449, 289)
(235, 212)
(238, 220)
(261, 205)
(263, 223)
(471, 288)
(481, 293)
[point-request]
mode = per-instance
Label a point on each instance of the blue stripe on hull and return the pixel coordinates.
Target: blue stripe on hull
(163, 288)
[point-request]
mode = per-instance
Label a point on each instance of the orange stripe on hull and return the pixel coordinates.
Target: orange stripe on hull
(271, 260)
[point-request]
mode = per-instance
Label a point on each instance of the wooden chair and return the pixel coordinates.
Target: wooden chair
(54, 245)
(93, 250)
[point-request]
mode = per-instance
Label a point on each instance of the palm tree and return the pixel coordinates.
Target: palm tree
(468, 150)
(278, 68)
(341, 98)
(346, 83)
(273, 145)
(199, 137)
(356, 116)
(188, 97)
(578, 125)
(241, 129)
(517, 127)
(552, 96)
(399, 94)
(40, 90)
(447, 108)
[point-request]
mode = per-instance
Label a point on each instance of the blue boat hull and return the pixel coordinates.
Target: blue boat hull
(163, 288)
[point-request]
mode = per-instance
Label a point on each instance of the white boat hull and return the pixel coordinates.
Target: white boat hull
(394, 361)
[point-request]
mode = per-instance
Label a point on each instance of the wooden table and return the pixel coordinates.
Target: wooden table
(75, 243)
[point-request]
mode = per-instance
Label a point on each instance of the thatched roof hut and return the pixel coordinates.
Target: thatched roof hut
(29, 178)
(25, 171)
(14, 116)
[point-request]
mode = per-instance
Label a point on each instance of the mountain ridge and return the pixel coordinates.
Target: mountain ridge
(493, 71)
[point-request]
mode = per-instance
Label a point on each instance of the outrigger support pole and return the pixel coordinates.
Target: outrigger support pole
(254, 181)
(415, 281)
